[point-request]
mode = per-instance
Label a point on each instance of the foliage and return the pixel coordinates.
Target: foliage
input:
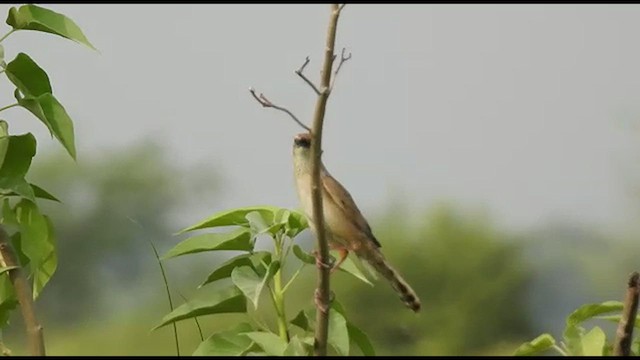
(33, 234)
(252, 275)
(577, 341)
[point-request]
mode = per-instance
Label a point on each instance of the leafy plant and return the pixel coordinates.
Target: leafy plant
(250, 276)
(33, 238)
(577, 341)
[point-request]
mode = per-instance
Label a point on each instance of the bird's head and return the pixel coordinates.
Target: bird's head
(302, 145)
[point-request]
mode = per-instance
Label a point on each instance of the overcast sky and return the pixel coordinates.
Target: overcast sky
(531, 111)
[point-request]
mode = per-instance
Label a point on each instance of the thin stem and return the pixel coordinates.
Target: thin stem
(195, 318)
(9, 107)
(7, 35)
(22, 288)
(166, 286)
(300, 73)
(624, 333)
(295, 275)
(262, 100)
(559, 349)
(279, 293)
(323, 290)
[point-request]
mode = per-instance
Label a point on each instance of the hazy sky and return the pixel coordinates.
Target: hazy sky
(531, 111)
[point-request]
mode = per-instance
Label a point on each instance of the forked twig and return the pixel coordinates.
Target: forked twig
(343, 59)
(262, 100)
(300, 73)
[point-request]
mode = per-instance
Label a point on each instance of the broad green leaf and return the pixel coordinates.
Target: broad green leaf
(251, 285)
(238, 240)
(351, 268)
(226, 343)
(8, 215)
(48, 265)
(224, 271)
(536, 346)
(16, 241)
(573, 339)
(33, 17)
(235, 217)
(296, 348)
(49, 110)
(338, 333)
(8, 301)
(593, 342)
(27, 76)
(4, 140)
(303, 255)
(229, 300)
(271, 343)
(20, 151)
(296, 223)
(262, 223)
(1, 53)
(301, 320)
(361, 340)
(37, 243)
(588, 311)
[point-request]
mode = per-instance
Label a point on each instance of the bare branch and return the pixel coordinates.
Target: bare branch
(341, 7)
(624, 333)
(262, 100)
(302, 75)
(343, 59)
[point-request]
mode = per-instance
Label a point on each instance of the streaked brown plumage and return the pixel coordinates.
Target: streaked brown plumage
(346, 228)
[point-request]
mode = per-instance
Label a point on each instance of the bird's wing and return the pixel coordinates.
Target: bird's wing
(344, 201)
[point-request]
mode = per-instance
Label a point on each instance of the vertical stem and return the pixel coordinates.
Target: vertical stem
(323, 291)
(624, 333)
(22, 288)
(279, 293)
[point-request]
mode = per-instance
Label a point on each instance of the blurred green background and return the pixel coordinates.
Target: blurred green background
(484, 289)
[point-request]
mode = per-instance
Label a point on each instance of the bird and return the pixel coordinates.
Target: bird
(346, 229)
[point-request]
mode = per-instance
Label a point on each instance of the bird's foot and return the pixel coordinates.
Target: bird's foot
(321, 264)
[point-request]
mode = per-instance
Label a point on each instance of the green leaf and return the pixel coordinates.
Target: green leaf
(338, 333)
(27, 76)
(303, 255)
(261, 223)
(351, 268)
(1, 53)
(271, 343)
(593, 342)
(16, 241)
(235, 217)
(251, 285)
(20, 151)
(33, 17)
(536, 346)
(237, 240)
(573, 339)
(588, 311)
(301, 320)
(49, 110)
(296, 223)
(226, 343)
(229, 300)
(8, 215)
(42, 193)
(7, 268)
(296, 348)
(8, 301)
(224, 271)
(37, 243)
(361, 340)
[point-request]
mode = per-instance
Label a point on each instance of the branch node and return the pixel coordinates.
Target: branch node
(343, 58)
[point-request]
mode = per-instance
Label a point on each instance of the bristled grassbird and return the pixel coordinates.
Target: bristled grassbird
(345, 227)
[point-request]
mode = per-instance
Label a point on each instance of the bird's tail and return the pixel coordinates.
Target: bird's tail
(375, 258)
